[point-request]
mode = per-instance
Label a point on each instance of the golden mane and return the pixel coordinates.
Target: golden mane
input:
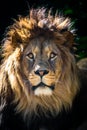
(38, 22)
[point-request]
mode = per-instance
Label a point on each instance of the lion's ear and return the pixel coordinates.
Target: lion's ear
(69, 39)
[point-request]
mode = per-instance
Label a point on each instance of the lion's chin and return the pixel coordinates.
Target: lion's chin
(42, 89)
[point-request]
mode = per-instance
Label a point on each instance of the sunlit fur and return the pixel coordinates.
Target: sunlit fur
(13, 84)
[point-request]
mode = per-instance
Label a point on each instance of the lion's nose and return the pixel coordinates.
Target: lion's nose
(41, 72)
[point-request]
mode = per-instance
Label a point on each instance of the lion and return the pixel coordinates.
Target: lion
(39, 78)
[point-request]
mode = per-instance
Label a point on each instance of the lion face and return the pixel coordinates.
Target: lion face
(40, 60)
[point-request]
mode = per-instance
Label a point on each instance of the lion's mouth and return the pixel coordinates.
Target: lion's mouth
(42, 85)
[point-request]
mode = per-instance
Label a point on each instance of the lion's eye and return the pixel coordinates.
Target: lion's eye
(53, 56)
(30, 56)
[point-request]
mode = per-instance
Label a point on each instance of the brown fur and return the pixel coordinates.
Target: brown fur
(14, 81)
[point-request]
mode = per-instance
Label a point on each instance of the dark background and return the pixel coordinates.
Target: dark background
(75, 9)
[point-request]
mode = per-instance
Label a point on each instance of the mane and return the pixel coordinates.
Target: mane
(38, 22)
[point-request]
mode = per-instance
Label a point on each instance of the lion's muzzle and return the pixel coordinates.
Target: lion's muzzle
(41, 81)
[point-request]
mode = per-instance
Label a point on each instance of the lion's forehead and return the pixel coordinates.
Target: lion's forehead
(42, 46)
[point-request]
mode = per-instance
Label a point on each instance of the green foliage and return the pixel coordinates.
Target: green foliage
(82, 47)
(68, 11)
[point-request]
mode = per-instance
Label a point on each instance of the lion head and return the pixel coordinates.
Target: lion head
(38, 70)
